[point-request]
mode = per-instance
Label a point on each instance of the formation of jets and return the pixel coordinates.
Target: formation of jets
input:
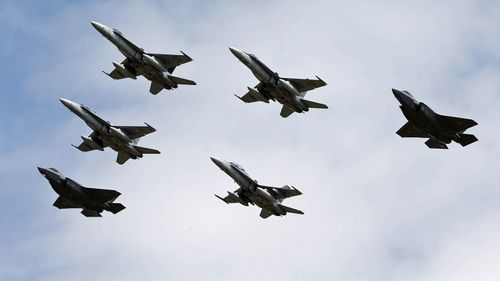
(423, 122)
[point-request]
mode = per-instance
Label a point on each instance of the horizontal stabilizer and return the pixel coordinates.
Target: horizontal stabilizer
(291, 210)
(92, 214)
(313, 104)
(115, 207)
(146, 150)
(181, 81)
(466, 139)
(432, 143)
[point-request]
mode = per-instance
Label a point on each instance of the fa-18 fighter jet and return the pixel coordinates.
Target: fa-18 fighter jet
(155, 67)
(288, 91)
(122, 139)
(425, 123)
(73, 195)
(268, 198)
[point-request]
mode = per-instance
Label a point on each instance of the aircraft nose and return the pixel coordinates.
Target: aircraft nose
(99, 27)
(237, 53)
(396, 92)
(41, 170)
(69, 104)
(217, 162)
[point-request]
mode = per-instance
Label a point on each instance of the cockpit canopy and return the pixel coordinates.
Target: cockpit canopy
(117, 31)
(55, 170)
(237, 166)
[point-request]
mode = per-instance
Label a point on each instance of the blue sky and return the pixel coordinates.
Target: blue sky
(377, 207)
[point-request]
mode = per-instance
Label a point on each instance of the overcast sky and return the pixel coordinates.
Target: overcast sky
(377, 207)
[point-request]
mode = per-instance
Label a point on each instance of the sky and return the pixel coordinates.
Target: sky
(377, 207)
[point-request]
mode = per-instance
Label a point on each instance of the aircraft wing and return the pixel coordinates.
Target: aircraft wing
(459, 124)
(170, 62)
(231, 198)
(304, 85)
(63, 203)
(253, 95)
(130, 70)
(282, 192)
(102, 195)
(89, 145)
(410, 131)
(134, 132)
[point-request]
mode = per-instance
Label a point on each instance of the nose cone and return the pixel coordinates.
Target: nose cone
(101, 28)
(218, 162)
(405, 98)
(397, 93)
(69, 104)
(41, 170)
(239, 54)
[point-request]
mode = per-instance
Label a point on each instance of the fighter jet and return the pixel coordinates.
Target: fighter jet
(122, 139)
(268, 198)
(73, 195)
(423, 122)
(288, 91)
(155, 67)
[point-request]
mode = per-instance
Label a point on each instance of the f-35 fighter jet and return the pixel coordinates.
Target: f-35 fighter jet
(122, 139)
(268, 198)
(155, 67)
(73, 195)
(288, 91)
(423, 122)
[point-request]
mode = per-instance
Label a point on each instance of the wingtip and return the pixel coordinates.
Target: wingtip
(151, 127)
(240, 98)
(321, 80)
(107, 74)
(221, 198)
(186, 55)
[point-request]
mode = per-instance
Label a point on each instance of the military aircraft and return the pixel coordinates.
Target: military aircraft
(288, 91)
(268, 198)
(122, 139)
(73, 195)
(155, 67)
(423, 122)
